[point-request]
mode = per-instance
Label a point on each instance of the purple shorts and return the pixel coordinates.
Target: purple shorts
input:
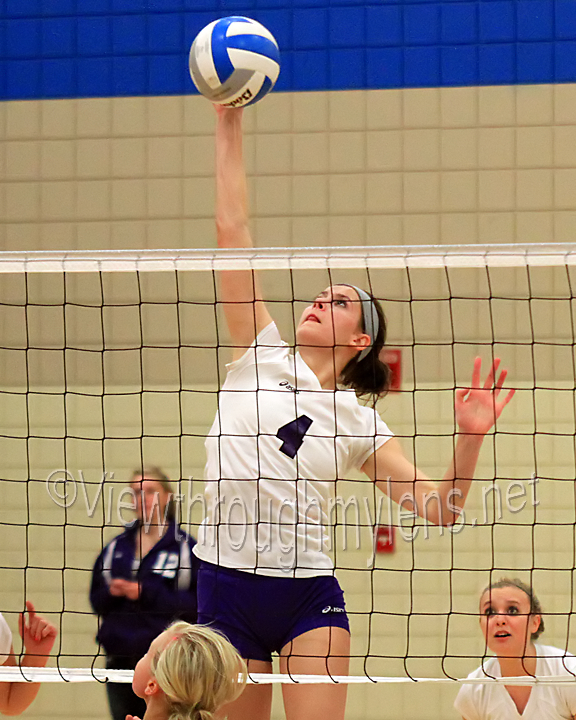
(261, 614)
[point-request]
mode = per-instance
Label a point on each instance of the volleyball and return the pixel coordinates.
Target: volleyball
(234, 61)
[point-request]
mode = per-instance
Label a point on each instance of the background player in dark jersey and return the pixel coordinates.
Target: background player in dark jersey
(143, 580)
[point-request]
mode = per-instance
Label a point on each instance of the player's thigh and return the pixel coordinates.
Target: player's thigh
(322, 651)
(255, 703)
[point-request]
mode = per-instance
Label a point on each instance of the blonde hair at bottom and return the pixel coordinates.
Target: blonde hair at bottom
(199, 671)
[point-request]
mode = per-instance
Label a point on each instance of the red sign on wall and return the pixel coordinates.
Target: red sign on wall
(393, 358)
(384, 538)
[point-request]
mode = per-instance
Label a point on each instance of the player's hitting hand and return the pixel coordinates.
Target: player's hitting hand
(38, 635)
(479, 406)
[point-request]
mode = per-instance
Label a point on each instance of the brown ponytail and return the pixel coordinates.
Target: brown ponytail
(369, 377)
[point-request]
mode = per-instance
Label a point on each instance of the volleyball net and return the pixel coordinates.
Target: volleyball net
(112, 361)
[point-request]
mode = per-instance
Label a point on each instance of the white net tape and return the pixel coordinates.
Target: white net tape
(33, 674)
(386, 257)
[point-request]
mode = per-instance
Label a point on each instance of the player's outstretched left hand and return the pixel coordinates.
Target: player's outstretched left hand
(38, 635)
(479, 406)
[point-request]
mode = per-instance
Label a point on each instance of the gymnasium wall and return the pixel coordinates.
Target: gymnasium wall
(393, 123)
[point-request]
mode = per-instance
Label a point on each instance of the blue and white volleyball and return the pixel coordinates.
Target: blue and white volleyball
(234, 61)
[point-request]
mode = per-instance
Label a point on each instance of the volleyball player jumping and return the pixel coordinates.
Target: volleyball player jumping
(287, 427)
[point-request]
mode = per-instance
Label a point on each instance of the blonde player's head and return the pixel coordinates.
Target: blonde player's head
(190, 671)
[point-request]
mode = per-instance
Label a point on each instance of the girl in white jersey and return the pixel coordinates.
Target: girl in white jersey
(38, 636)
(283, 435)
(511, 621)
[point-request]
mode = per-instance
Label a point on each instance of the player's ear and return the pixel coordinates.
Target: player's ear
(152, 688)
(535, 621)
(361, 341)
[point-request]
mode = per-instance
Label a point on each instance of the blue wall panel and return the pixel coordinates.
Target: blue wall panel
(77, 48)
(496, 21)
(459, 23)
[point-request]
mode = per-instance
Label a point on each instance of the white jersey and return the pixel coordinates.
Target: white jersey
(547, 702)
(5, 640)
(277, 446)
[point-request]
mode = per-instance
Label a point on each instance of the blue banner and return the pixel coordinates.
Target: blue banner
(104, 48)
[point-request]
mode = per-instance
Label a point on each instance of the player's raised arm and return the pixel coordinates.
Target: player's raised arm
(476, 409)
(38, 636)
(245, 312)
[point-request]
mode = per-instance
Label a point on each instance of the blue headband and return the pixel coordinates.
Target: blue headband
(370, 317)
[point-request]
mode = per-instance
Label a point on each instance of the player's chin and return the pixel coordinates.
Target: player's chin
(313, 342)
(307, 334)
(505, 647)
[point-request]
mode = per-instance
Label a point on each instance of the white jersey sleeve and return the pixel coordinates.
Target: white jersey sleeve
(563, 663)
(473, 701)
(468, 702)
(267, 347)
(371, 433)
(568, 693)
(5, 640)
